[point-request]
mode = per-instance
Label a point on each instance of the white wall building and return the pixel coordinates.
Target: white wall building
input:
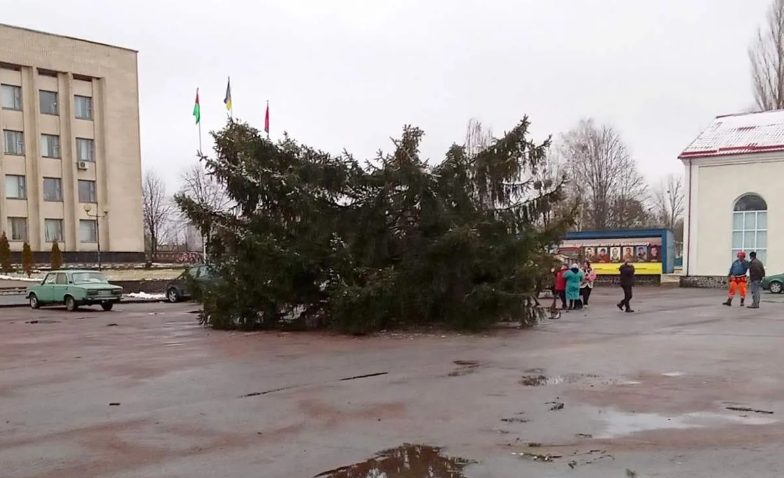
(735, 193)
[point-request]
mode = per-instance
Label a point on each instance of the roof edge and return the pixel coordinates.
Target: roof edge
(731, 151)
(32, 30)
(748, 113)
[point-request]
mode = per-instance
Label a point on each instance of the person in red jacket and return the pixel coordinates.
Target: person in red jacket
(559, 287)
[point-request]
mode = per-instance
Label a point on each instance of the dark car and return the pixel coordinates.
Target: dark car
(179, 289)
(774, 284)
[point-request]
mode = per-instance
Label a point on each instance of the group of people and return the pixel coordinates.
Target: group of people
(573, 285)
(742, 271)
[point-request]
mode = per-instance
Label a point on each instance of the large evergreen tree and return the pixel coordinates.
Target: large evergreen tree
(330, 241)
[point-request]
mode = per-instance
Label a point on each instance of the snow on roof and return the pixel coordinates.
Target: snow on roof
(739, 134)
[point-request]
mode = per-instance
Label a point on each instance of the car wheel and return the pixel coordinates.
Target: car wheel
(107, 306)
(776, 287)
(70, 304)
(34, 304)
(172, 295)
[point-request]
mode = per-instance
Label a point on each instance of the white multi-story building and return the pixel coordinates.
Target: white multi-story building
(69, 115)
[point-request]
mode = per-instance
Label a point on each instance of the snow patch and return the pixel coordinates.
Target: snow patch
(20, 278)
(145, 296)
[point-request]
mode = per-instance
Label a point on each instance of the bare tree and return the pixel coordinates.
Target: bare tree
(206, 191)
(604, 177)
(669, 201)
(157, 209)
(477, 137)
(767, 60)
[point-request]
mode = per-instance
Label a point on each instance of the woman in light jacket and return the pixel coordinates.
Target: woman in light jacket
(587, 286)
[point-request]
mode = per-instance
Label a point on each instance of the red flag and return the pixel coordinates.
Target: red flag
(266, 119)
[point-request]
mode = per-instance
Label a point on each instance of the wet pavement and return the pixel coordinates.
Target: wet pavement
(684, 387)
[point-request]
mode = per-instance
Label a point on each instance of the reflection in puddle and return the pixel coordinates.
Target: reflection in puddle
(407, 461)
(622, 424)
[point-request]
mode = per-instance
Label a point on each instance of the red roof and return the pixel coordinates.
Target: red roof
(739, 134)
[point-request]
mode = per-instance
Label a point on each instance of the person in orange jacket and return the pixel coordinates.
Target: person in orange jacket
(737, 279)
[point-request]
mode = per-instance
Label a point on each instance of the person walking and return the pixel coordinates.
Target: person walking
(589, 277)
(627, 283)
(756, 274)
(573, 277)
(559, 285)
(737, 279)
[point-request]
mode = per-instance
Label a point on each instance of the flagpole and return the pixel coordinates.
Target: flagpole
(199, 122)
(231, 108)
(266, 119)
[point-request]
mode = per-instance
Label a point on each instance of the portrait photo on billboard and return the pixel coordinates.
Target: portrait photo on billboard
(628, 253)
(654, 255)
(642, 253)
(603, 255)
(590, 254)
(615, 254)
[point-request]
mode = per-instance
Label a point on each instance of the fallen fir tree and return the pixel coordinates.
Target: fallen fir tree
(329, 241)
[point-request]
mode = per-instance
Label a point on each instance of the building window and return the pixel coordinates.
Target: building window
(48, 100)
(18, 226)
(750, 226)
(50, 146)
(87, 191)
(14, 142)
(15, 187)
(85, 149)
(83, 105)
(11, 97)
(88, 231)
(54, 230)
(53, 189)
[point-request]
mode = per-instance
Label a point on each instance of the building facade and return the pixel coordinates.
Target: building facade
(70, 156)
(734, 172)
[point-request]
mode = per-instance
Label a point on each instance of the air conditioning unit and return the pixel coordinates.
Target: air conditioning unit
(83, 165)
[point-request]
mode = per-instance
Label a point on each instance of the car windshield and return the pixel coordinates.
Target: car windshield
(89, 278)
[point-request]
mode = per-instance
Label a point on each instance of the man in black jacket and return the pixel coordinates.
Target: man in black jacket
(627, 282)
(756, 274)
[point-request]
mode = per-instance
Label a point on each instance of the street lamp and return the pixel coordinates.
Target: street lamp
(97, 216)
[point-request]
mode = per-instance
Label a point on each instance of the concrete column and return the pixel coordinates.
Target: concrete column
(102, 162)
(32, 135)
(68, 154)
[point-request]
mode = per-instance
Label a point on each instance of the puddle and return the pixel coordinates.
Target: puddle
(407, 461)
(620, 424)
(464, 367)
(540, 380)
(673, 374)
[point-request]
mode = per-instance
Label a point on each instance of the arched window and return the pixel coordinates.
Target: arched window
(750, 226)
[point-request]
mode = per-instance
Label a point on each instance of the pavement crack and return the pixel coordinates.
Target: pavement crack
(367, 375)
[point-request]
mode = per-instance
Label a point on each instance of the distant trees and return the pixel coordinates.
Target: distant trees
(157, 209)
(205, 190)
(27, 259)
(603, 177)
(669, 200)
(766, 55)
(56, 257)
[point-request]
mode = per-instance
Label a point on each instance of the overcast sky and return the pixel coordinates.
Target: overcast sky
(349, 73)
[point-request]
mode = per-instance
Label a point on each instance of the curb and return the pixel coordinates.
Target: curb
(124, 301)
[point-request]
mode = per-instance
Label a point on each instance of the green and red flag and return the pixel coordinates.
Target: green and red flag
(197, 108)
